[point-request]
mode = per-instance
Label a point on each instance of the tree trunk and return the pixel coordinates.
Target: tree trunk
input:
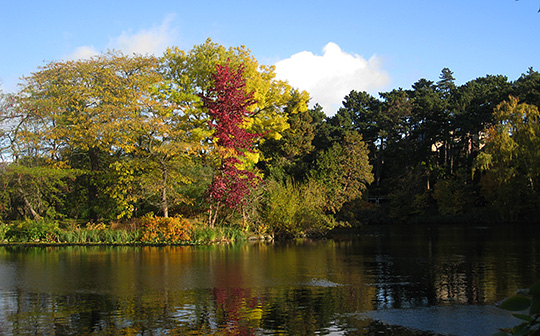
(164, 203)
(92, 183)
(28, 205)
(212, 215)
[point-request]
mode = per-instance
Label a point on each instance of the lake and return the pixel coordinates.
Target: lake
(404, 280)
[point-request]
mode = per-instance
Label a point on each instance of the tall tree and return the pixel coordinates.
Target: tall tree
(429, 126)
(395, 134)
(227, 103)
(511, 159)
(84, 113)
(474, 104)
(527, 87)
(286, 155)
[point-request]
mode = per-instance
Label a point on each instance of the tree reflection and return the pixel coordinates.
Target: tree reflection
(318, 287)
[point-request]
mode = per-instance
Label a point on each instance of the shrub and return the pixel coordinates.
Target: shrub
(164, 230)
(41, 230)
(203, 235)
(292, 209)
(3, 230)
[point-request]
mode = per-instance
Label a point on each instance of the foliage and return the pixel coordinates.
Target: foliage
(116, 136)
(512, 159)
(410, 197)
(344, 171)
(189, 75)
(163, 230)
(4, 228)
(227, 104)
(30, 231)
(527, 300)
(80, 114)
(98, 233)
(291, 155)
(35, 191)
(291, 209)
(202, 234)
(453, 195)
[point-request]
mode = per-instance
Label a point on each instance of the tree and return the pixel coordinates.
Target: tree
(527, 87)
(227, 103)
(9, 121)
(429, 126)
(85, 114)
(189, 77)
(475, 101)
(511, 159)
(344, 171)
(34, 191)
(286, 155)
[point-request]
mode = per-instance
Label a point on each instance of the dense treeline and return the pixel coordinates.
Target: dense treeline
(211, 135)
(445, 152)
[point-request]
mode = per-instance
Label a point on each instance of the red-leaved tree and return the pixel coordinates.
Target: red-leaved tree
(227, 103)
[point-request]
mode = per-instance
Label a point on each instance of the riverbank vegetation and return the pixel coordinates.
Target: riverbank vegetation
(215, 146)
(147, 230)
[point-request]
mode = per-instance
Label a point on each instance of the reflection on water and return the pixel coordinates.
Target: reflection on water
(400, 281)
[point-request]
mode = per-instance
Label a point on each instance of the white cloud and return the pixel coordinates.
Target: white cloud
(83, 52)
(330, 77)
(147, 41)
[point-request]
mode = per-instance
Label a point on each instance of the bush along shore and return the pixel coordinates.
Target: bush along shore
(148, 230)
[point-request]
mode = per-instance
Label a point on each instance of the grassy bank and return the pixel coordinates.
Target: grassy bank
(149, 230)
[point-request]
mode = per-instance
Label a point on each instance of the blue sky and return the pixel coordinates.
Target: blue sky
(325, 47)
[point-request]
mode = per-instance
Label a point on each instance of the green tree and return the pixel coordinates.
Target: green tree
(430, 126)
(293, 208)
(344, 171)
(9, 119)
(34, 191)
(188, 77)
(287, 155)
(511, 159)
(475, 101)
(527, 87)
(392, 153)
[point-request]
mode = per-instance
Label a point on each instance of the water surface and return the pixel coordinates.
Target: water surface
(413, 280)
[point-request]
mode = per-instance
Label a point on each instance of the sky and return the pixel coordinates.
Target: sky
(327, 48)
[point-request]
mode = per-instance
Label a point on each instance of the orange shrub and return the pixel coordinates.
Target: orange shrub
(164, 230)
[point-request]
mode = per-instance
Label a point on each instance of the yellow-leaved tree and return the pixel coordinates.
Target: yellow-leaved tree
(97, 115)
(511, 159)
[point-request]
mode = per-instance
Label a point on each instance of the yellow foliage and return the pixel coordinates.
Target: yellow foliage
(190, 73)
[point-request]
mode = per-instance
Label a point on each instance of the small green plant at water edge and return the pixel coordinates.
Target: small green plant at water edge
(201, 234)
(528, 300)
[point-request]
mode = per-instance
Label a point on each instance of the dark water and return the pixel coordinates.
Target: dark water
(401, 281)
